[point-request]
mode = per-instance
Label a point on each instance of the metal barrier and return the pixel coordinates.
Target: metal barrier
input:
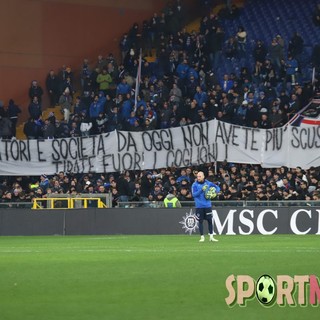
(83, 202)
(67, 203)
(239, 203)
(106, 198)
(16, 205)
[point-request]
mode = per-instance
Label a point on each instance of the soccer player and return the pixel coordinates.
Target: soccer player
(203, 191)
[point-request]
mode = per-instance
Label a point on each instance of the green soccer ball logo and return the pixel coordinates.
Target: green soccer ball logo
(265, 289)
(210, 193)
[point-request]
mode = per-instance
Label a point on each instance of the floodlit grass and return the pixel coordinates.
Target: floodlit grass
(145, 277)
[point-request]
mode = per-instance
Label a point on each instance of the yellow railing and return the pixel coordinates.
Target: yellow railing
(51, 203)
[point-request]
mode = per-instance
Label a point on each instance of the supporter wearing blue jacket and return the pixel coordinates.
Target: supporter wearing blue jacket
(123, 87)
(292, 69)
(126, 108)
(96, 107)
(200, 96)
(183, 69)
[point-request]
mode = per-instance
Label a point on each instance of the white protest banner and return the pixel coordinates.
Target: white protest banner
(304, 147)
(76, 155)
(180, 147)
(238, 144)
(275, 151)
(195, 144)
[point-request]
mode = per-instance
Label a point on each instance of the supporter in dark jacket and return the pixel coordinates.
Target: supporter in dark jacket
(35, 109)
(123, 189)
(13, 112)
(146, 185)
(52, 85)
(30, 129)
(5, 128)
(35, 91)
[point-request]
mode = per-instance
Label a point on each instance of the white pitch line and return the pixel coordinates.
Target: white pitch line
(135, 250)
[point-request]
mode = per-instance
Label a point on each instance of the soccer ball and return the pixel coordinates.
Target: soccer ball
(265, 289)
(210, 193)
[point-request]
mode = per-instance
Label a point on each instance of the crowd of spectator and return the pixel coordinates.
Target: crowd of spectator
(182, 86)
(143, 188)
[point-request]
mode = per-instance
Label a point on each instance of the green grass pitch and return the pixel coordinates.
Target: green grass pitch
(145, 277)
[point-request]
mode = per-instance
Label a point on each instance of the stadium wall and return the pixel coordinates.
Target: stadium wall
(41, 35)
(227, 220)
(37, 36)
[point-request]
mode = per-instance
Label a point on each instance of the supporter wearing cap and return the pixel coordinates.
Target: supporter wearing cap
(185, 183)
(241, 112)
(184, 194)
(157, 189)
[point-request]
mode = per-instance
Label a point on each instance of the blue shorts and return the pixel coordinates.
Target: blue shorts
(204, 213)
